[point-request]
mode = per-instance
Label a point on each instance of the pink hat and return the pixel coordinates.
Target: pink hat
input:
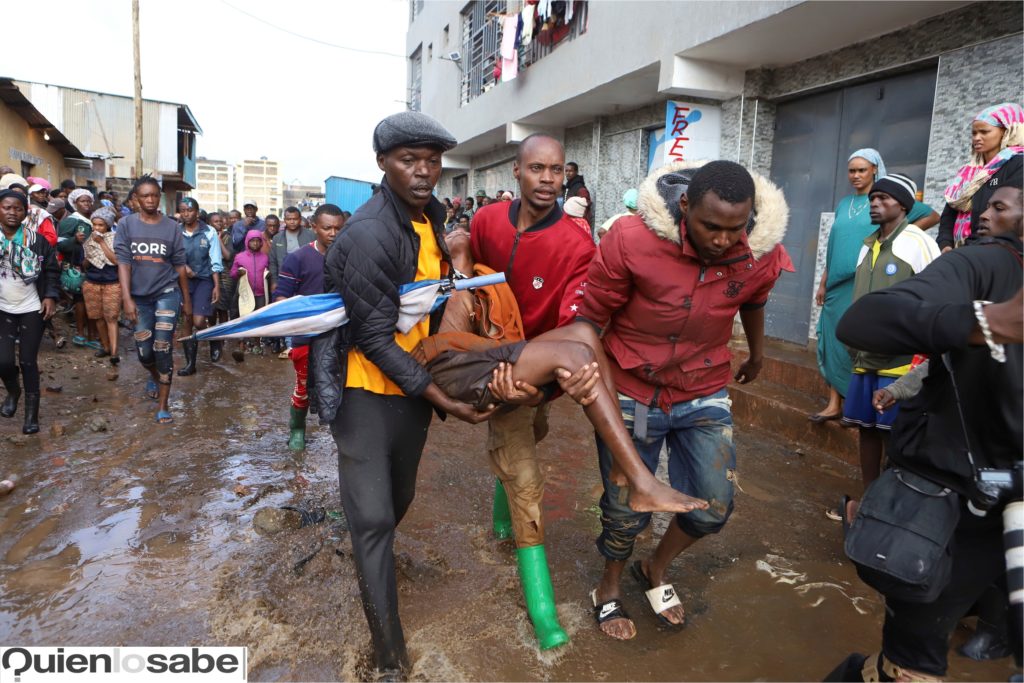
(42, 182)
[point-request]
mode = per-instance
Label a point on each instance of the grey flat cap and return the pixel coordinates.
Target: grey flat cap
(410, 129)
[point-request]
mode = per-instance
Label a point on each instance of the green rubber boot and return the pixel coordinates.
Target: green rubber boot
(540, 596)
(500, 514)
(297, 427)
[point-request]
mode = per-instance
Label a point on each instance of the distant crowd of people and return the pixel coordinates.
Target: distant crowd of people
(107, 264)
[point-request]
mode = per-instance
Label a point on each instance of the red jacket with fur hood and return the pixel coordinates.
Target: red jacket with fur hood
(667, 317)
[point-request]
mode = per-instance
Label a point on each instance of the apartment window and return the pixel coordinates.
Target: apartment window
(444, 35)
(480, 33)
(430, 51)
(416, 79)
(415, 9)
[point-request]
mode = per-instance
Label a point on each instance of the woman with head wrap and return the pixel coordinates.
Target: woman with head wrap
(72, 234)
(29, 287)
(997, 145)
(835, 292)
(38, 219)
(101, 289)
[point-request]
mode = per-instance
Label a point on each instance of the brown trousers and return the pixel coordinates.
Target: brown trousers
(512, 440)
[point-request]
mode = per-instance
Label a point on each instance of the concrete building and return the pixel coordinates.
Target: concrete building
(103, 127)
(788, 88)
(33, 145)
(305, 197)
(259, 181)
(215, 184)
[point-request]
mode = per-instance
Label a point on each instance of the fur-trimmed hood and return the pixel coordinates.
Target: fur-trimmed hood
(771, 213)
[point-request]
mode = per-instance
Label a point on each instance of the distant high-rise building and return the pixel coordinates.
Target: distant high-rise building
(215, 185)
(259, 181)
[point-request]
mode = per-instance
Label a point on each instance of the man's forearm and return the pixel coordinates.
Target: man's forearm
(752, 320)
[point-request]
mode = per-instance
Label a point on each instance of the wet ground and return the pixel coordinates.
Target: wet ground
(124, 532)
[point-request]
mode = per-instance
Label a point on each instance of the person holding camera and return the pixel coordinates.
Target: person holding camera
(955, 449)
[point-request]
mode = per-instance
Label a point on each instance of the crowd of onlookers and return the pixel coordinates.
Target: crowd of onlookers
(575, 201)
(61, 249)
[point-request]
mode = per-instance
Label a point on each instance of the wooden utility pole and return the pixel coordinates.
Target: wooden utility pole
(138, 89)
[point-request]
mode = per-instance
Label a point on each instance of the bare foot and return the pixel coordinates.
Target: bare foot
(658, 497)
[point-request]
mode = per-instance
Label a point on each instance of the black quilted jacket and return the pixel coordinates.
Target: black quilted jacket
(375, 252)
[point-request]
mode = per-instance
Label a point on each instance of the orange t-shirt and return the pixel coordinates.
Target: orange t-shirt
(362, 374)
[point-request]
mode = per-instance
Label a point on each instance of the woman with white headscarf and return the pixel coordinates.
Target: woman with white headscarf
(72, 234)
(851, 226)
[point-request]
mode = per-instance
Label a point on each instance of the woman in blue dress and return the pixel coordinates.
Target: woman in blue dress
(851, 227)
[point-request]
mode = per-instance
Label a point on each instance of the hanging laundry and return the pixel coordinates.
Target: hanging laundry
(568, 10)
(527, 19)
(544, 9)
(509, 56)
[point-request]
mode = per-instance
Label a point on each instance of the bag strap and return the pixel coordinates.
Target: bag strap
(960, 412)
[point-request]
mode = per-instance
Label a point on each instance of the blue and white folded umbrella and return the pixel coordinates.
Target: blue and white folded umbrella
(308, 316)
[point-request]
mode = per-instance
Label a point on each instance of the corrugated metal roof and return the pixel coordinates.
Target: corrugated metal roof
(12, 96)
(103, 125)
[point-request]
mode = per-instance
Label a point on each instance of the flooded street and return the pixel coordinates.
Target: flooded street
(124, 532)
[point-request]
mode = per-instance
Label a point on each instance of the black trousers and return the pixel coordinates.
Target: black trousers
(380, 440)
(27, 330)
(916, 636)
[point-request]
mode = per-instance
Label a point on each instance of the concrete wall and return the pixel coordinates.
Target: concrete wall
(642, 35)
(19, 139)
(978, 50)
(969, 80)
(980, 62)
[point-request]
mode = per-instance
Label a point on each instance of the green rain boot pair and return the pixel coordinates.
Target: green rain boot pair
(297, 429)
(535, 577)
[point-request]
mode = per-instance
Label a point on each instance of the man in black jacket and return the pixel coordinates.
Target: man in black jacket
(377, 398)
(947, 309)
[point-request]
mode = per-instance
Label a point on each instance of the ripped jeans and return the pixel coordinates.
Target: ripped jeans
(701, 463)
(154, 331)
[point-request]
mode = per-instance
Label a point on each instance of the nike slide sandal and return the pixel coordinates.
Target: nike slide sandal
(660, 598)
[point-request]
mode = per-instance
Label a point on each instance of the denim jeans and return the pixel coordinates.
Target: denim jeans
(701, 463)
(154, 331)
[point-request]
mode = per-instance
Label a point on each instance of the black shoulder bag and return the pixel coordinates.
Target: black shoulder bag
(900, 540)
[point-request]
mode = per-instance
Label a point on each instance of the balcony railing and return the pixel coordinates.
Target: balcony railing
(482, 42)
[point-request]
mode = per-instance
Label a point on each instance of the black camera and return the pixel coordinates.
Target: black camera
(992, 487)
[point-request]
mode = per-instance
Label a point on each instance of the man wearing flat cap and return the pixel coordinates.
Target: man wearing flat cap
(376, 397)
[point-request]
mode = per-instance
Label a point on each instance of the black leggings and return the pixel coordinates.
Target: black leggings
(27, 329)
(380, 440)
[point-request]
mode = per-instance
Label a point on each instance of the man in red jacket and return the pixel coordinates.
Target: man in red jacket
(545, 258)
(664, 289)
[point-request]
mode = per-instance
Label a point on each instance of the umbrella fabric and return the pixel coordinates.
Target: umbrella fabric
(308, 316)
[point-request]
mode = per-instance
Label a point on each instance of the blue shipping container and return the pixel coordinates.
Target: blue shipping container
(346, 193)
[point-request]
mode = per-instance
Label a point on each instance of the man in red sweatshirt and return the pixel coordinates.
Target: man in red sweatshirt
(545, 258)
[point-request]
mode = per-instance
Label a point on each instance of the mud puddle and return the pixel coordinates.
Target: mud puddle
(124, 532)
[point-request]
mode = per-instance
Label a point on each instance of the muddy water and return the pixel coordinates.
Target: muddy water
(142, 534)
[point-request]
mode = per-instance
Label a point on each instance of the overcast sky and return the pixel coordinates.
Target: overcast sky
(255, 90)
